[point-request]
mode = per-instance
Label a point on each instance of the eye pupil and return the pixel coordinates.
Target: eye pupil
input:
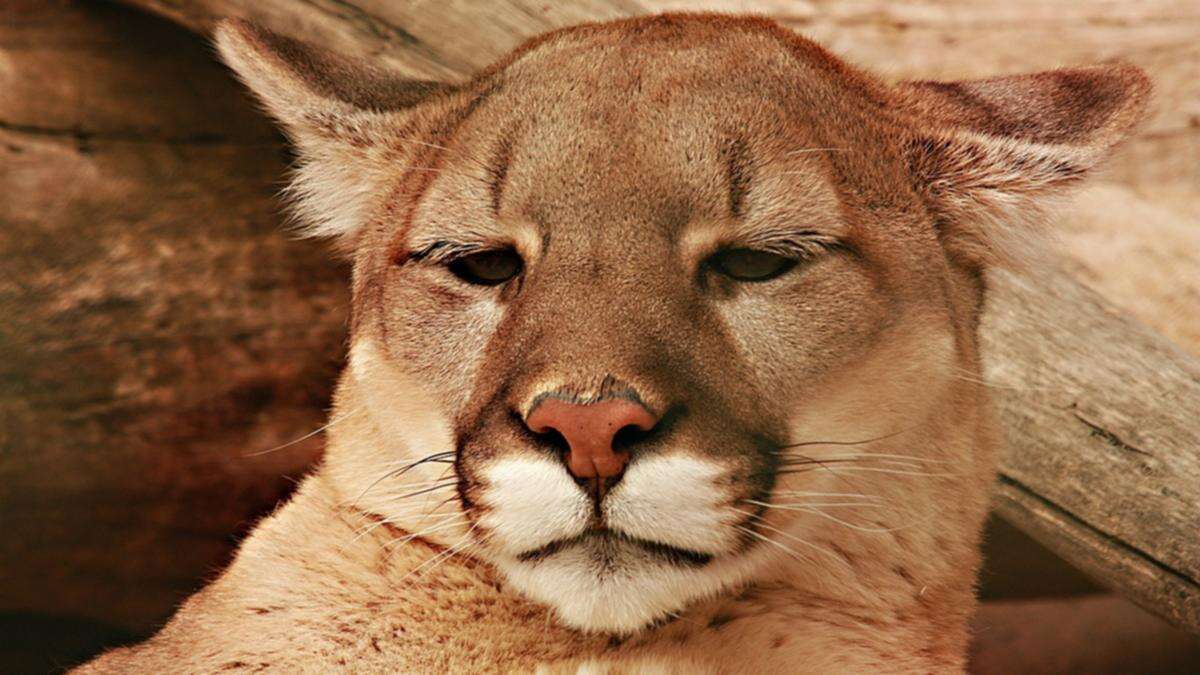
(487, 268)
(746, 264)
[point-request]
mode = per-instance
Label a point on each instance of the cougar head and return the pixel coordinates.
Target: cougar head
(622, 301)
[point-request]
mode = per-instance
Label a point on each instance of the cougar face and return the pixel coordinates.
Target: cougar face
(625, 296)
(621, 298)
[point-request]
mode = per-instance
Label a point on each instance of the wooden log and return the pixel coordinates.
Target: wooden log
(445, 42)
(158, 324)
(1102, 417)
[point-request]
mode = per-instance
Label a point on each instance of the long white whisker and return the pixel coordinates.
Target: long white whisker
(885, 456)
(457, 522)
(449, 483)
(390, 520)
(860, 528)
(443, 555)
(794, 506)
(305, 437)
(892, 463)
(785, 549)
(802, 493)
(805, 542)
(399, 471)
(869, 469)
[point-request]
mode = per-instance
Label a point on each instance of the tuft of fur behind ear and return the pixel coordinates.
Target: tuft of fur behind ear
(992, 156)
(339, 114)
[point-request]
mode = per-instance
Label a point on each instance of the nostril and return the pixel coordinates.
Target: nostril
(629, 435)
(554, 439)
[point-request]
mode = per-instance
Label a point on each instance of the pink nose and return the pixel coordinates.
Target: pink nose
(589, 429)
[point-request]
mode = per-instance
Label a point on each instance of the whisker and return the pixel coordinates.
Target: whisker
(856, 463)
(444, 555)
(451, 482)
(968, 376)
(868, 469)
(442, 525)
(428, 483)
(305, 437)
(898, 472)
(440, 504)
(805, 542)
(886, 456)
(860, 528)
(761, 537)
(391, 521)
(802, 493)
(402, 470)
(796, 506)
(862, 442)
(801, 460)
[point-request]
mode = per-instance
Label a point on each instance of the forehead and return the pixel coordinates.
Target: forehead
(667, 125)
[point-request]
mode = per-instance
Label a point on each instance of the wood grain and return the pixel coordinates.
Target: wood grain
(158, 324)
(1102, 417)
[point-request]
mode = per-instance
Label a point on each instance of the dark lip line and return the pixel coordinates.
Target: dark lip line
(677, 556)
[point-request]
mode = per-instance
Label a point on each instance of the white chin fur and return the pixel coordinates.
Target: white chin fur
(531, 502)
(608, 585)
(629, 591)
(593, 599)
(673, 500)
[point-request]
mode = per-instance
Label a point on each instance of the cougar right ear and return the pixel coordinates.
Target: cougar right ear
(337, 111)
(988, 154)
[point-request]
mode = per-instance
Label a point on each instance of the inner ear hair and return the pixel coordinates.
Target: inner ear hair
(989, 155)
(339, 113)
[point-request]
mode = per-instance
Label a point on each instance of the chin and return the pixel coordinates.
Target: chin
(603, 582)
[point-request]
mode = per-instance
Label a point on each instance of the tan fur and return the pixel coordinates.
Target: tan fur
(814, 497)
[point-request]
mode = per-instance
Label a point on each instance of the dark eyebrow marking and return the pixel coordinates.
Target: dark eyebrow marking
(498, 171)
(738, 174)
(444, 250)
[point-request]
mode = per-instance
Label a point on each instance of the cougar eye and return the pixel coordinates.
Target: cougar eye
(487, 268)
(747, 264)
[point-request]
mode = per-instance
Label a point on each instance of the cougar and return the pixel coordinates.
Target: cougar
(663, 356)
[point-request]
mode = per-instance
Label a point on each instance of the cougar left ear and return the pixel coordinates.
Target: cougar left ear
(987, 154)
(338, 112)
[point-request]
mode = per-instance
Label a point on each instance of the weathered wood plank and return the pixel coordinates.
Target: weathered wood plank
(158, 324)
(1103, 423)
(447, 41)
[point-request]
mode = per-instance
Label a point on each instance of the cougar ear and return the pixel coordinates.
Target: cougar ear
(988, 155)
(339, 113)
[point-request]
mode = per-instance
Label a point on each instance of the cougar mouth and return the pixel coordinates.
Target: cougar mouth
(605, 543)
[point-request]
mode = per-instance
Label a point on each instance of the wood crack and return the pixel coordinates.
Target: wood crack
(84, 135)
(1113, 439)
(1112, 540)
